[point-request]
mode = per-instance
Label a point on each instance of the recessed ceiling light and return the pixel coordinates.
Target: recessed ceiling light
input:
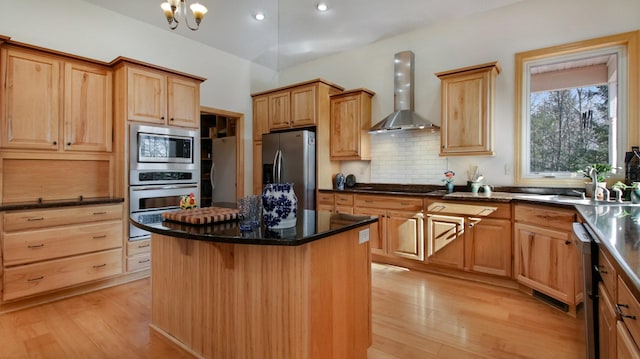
(259, 16)
(322, 6)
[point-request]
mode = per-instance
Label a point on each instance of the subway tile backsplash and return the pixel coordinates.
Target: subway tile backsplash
(407, 157)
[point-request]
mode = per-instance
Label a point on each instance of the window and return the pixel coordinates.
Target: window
(572, 109)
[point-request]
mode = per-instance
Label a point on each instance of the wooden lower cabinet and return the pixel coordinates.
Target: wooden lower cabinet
(626, 347)
(49, 249)
(606, 324)
(468, 236)
(400, 224)
(138, 255)
(546, 259)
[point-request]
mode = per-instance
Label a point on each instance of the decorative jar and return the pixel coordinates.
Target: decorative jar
(279, 205)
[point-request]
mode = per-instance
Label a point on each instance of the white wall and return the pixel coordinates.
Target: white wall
(495, 35)
(80, 28)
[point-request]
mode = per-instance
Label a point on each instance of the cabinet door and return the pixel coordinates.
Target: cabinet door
(31, 102)
(183, 102)
(260, 117)
(303, 106)
(445, 240)
(626, 347)
(146, 96)
(279, 110)
(606, 324)
(545, 261)
(490, 246)
(405, 234)
(345, 127)
(467, 98)
(378, 241)
(257, 167)
(88, 115)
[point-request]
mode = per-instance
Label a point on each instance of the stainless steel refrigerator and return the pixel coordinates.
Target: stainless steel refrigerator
(223, 169)
(290, 157)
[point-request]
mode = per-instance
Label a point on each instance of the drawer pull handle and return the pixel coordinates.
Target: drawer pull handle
(100, 265)
(35, 279)
(144, 261)
(35, 219)
(35, 245)
(601, 269)
(144, 245)
(619, 311)
(98, 237)
(96, 213)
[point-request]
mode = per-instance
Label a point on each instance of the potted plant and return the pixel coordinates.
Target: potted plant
(602, 172)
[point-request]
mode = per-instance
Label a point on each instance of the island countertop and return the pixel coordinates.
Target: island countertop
(310, 226)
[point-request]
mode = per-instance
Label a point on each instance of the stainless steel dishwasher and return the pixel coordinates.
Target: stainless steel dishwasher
(589, 254)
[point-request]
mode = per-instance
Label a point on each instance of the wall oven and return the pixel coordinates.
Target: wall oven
(163, 166)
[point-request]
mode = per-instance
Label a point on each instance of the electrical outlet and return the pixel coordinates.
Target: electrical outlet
(363, 236)
(507, 169)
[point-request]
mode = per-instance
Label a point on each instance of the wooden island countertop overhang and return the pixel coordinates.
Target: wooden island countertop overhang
(303, 292)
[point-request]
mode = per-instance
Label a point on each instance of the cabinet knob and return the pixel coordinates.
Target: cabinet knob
(68, 143)
(55, 143)
(162, 118)
(171, 119)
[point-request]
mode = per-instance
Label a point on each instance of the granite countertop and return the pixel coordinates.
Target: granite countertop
(59, 203)
(310, 226)
(617, 228)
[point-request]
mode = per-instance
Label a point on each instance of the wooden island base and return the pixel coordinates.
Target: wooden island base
(220, 300)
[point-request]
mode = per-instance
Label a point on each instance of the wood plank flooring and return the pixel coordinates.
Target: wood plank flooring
(415, 315)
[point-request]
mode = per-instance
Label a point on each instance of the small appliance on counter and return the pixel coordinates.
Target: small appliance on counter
(350, 182)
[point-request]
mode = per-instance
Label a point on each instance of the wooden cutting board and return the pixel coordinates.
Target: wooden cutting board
(202, 215)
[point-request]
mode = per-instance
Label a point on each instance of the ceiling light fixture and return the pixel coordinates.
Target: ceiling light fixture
(322, 6)
(259, 16)
(176, 11)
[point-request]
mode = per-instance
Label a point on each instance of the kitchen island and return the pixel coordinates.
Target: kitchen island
(303, 292)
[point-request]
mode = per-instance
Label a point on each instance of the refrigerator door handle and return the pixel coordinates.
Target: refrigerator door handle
(212, 174)
(277, 167)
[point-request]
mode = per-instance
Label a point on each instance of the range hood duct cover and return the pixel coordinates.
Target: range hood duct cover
(403, 116)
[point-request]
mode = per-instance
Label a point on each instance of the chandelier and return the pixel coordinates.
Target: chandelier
(176, 11)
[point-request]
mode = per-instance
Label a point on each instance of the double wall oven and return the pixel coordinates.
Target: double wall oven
(163, 166)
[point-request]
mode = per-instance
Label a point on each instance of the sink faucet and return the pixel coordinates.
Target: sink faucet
(618, 193)
(591, 171)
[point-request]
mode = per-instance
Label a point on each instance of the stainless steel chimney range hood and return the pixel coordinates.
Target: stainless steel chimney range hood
(403, 116)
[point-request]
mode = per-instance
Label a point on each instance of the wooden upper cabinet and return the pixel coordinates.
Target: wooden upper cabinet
(183, 102)
(161, 98)
(260, 117)
(350, 121)
(467, 105)
(303, 106)
(279, 110)
(146, 96)
(35, 102)
(31, 100)
(88, 108)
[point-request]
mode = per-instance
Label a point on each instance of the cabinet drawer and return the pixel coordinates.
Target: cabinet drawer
(20, 220)
(387, 202)
(138, 247)
(546, 216)
(41, 277)
(57, 242)
(607, 273)
(630, 310)
(325, 198)
(344, 199)
(139, 262)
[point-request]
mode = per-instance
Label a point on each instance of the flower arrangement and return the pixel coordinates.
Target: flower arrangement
(448, 176)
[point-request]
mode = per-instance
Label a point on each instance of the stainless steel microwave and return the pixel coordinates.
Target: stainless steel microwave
(152, 144)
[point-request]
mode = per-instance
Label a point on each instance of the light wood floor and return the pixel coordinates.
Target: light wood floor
(415, 315)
